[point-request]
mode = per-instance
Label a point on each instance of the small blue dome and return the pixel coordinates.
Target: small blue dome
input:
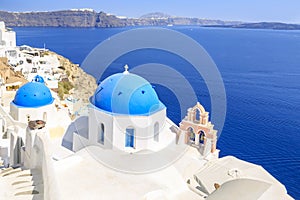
(39, 79)
(33, 94)
(126, 93)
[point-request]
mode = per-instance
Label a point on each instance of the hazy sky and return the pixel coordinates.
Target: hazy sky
(247, 10)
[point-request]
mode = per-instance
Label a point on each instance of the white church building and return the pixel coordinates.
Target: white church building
(126, 114)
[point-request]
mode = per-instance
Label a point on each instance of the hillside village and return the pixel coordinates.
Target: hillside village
(20, 64)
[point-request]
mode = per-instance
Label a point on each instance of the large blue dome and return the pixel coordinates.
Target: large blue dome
(126, 93)
(33, 94)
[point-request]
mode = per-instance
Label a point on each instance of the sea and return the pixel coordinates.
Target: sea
(261, 73)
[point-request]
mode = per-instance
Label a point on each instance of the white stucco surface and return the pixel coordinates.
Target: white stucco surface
(83, 177)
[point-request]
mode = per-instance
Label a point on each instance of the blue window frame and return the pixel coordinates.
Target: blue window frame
(129, 138)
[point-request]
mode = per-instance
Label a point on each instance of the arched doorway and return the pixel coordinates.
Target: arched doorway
(129, 137)
(17, 151)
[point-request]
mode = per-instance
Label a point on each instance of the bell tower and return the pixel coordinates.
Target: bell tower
(199, 131)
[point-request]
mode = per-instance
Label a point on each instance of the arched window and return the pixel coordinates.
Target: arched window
(101, 133)
(156, 132)
(197, 115)
(201, 137)
(129, 137)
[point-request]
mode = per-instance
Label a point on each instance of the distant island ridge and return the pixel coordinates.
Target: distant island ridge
(91, 18)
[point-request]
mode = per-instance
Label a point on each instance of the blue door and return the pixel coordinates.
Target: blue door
(129, 139)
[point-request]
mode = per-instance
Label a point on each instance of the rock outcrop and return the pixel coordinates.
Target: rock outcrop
(84, 84)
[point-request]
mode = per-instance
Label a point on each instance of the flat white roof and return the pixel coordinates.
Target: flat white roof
(81, 176)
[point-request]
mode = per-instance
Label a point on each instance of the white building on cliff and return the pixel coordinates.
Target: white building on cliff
(7, 37)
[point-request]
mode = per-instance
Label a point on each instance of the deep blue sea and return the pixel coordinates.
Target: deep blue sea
(261, 73)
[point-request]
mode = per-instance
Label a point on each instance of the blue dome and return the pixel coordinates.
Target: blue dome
(33, 94)
(126, 93)
(39, 79)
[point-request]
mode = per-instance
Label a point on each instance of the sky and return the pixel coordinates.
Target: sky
(247, 11)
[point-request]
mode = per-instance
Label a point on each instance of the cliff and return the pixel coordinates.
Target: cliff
(90, 18)
(67, 18)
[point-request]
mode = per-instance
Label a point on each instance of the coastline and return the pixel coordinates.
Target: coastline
(92, 19)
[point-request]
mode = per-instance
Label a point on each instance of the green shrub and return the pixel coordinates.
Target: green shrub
(63, 88)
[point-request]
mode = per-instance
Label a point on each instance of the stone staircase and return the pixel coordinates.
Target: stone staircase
(21, 184)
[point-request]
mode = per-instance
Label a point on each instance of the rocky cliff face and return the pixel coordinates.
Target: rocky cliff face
(84, 84)
(87, 18)
(60, 19)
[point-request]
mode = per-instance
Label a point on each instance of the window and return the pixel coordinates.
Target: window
(101, 133)
(129, 138)
(197, 117)
(156, 132)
